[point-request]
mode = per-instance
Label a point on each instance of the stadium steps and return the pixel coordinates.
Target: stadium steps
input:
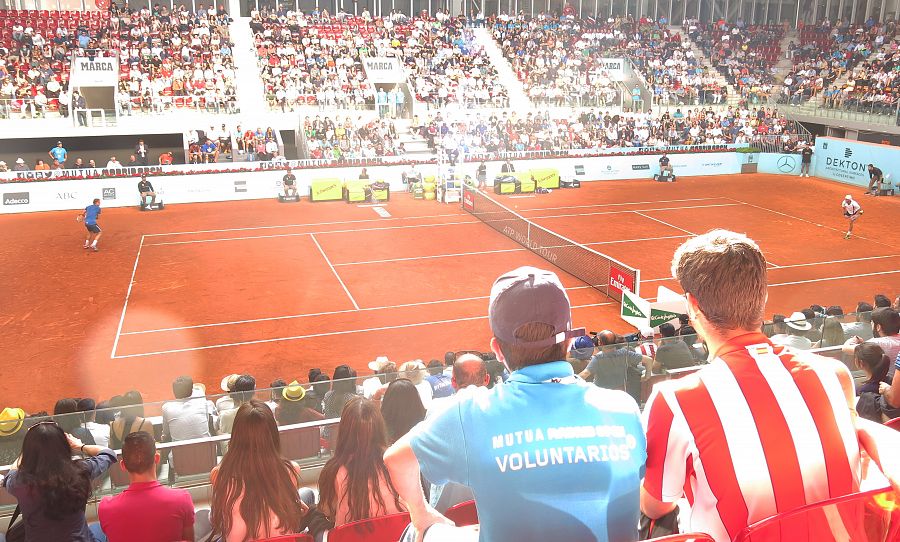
(416, 146)
(250, 91)
(733, 98)
(518, 100)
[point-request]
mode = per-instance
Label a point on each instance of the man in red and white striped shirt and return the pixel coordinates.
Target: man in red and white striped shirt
(762, 430)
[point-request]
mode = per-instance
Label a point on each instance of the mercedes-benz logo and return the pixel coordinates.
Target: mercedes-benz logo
(786, 164)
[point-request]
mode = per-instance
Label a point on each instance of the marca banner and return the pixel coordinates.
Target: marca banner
(614, 68)
(99, 72)
(383, 70)
(846, 161)
(635, 311)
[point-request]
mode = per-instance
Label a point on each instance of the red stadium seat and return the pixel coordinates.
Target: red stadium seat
(684, 537)
(462, 514)
(872, 515)
(383, 529)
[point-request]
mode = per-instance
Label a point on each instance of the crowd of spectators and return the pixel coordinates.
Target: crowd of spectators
(827, 52)
(173, 58)
(343, 138)
(744, 54)
(167, 58)
(600, 130)
(311, 59)
(36, 48)
(562, 60)
(403, 417)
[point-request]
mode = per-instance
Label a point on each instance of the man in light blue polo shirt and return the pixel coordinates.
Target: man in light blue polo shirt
(547, 455)
(59, 153)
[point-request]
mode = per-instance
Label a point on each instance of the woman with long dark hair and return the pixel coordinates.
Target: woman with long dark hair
(130, 418)
(51, 488)
(355, 484)
(401, 408)
(254, 488)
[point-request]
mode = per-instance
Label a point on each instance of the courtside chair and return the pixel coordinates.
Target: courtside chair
(684, 537)
(871, 516)
(383, 529)
(462, 514)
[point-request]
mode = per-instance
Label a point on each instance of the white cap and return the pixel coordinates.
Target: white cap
(848, 196)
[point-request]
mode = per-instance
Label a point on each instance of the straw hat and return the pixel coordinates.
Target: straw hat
(293, 391)
(11, 420)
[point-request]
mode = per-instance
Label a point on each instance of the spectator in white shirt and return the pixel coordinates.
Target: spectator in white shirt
(113, 163)
(99, 429)
(190, 416)
(415, 372)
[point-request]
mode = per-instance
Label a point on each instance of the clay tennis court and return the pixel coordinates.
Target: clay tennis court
(273, 290)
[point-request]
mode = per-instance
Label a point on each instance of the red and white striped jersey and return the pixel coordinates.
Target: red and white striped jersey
(760, 431)
(646, 349)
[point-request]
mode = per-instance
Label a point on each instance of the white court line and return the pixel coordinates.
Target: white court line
(333, 270)
(663, 223)
(836, 278)
(618, 204)
(411, 226)
(326, 313)
(634, 211)
(251, 228)
(810, 222)
(325, 334)
(498, 251)
(838, 261)
(137, 258)
(323, 232)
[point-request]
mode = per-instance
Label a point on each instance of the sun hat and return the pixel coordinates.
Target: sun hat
(20, 160)
(849, 197)
(293, 391)
(527, 295)
(228, 382)
(413, 370)
(379, 363)
(647, 332)
(11, 420)
(798, 321)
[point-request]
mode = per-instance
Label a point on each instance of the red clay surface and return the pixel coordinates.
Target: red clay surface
(259, 287)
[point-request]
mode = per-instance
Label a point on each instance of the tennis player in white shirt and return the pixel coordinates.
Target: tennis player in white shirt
(852, 211)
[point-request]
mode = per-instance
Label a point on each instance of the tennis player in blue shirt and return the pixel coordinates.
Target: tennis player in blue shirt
(90, 215)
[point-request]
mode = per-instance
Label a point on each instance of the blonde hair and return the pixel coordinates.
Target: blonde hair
(726, 273)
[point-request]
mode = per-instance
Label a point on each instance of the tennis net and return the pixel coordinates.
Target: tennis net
(597, 270)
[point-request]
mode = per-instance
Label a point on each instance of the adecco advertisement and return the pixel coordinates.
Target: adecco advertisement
(24, 197)
(845, 160)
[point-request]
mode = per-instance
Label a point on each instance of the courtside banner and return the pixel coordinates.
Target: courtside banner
(845, 160)
(635, 310)
(619, 281)
(468, 201)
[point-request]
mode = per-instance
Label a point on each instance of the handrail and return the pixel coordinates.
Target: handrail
(225, 437)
